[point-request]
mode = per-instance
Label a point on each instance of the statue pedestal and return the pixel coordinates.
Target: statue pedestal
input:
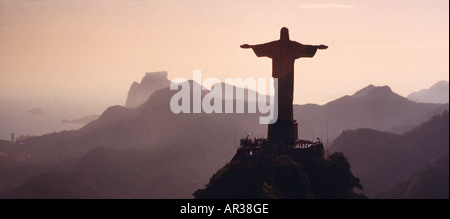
(283, 131)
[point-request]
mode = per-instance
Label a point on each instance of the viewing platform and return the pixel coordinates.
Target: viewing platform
(252, 148)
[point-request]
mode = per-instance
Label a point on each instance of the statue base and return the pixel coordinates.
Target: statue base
(283, 132)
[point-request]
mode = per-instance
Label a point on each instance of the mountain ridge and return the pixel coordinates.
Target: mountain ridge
(192, 144)
(380, 159)
(371, 107)
(140, 92)
(437, 93)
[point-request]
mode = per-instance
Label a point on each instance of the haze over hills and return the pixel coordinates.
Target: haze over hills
(15, 118)
(313, 119)
(386, 163)
(429, 182)
(181, 150)
(140, 92)
(371, 107)
(4, 147)
(34, 115)
(438, 93)
(82, 120)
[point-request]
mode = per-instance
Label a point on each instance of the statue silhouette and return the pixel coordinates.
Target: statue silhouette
(283, 53)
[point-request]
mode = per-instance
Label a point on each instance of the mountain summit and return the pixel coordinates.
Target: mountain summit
(438, 93)
(140, 92)
(375, 107)
(372, 90)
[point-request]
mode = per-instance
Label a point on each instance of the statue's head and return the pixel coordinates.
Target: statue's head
(284, 34)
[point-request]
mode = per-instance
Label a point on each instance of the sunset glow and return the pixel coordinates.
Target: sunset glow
(96, 49)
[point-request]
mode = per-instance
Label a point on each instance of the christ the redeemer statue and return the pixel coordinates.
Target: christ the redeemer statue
(283, 53)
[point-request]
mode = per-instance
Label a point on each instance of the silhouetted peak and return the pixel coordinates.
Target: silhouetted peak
(154, 77)
(134, 85)
(151, 82)
(162, 97)
(363, 91)
(370, 94)
(438, 93)
(440, 86)
(373, 90)
(442, 83)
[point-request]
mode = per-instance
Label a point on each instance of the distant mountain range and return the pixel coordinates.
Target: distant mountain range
(148, 151)
(180, 151)
(140, 92)
(371, 107)
(438, 93)
(400, 166)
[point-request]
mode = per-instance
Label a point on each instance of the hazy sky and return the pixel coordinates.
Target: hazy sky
(94, 49)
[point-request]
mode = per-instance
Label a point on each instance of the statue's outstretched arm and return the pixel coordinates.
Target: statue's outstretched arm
(322, 47)
(246, 46)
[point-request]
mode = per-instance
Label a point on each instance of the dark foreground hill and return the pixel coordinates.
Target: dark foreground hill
(429, 182)
(127, 173)
(283, 177)
(383, 160)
